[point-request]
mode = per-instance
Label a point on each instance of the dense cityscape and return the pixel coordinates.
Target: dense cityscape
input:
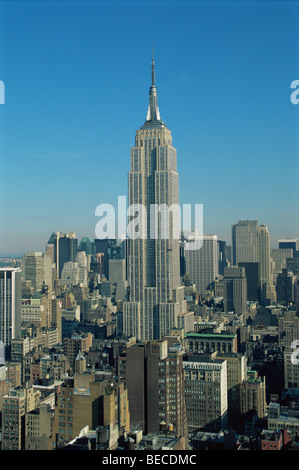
(142, 343)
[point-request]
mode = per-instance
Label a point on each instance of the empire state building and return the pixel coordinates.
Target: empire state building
(156, 301)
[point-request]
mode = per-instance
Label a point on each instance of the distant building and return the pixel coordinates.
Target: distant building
(285, 286)
(289, 243)
(253, 394)
(10, 306)
(65, 249)
(37, 268)
(202, 264)
(252, 276)
(235, 290)
(267, 288)
(283, 418)
(279, 256)
(244, 241)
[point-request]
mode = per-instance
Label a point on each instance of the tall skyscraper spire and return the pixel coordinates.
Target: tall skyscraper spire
(153, 69)
(153, 117)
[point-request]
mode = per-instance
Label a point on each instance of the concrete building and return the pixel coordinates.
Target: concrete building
(291, 368)
(236, 375)
(235, 290)
(38, 427)
(253, 394)
(37, 268)
(10, 306)
(117, 277)
(16, 404)
(202, 264)
(282, 418)
(65, 247)
(252, 276)
(205, 385)
(267, 288)
(279, 256)
(154, 378)
(288, 328)
(285, 286)
(210, 342)
(86, 400)
(156, 297)
(244, 241)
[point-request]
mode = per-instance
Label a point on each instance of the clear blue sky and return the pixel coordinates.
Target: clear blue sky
(77, 76)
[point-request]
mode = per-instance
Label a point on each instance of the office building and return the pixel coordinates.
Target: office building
(291, 368)
(235, 290)
(285, 286)
(211, 342)
(37, 268)
(65, 249)
(252, 276)
(205, 385)
(38, 427)
(88, 400)
(16, 404)
(253, 394)
(154, 379)
(156, 297)
(10, 306)
(279, 257)
(289, 243)
(202, 264)
(244, 241)
(267, 288)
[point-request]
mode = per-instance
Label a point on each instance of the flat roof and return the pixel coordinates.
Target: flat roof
(209, 335)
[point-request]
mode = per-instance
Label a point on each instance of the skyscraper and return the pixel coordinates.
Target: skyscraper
(244, 241)
(251, 243)
(235, 289)
(202, 265)
(267, 288)
(10, 305)
(37, 268)
(156, 297)
(65, 248)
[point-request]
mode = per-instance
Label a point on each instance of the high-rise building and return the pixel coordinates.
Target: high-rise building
(202, 264)
(235, 290)
(154, 379)
(267, 288)
(291, 243)
(156, 297)
(285, 286)
(251, 243)
(88, 400)
(244, 241)
(252, 276)
(205, 385)
(65, 249)
(16, 404)
(37, 268)
(10, 305)
(279, 256)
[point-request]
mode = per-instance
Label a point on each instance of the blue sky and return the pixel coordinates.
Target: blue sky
(77, 76)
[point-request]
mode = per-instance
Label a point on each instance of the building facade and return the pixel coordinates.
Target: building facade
(10, 306)
(156, 297)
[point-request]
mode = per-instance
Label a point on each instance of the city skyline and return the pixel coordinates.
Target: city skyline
(68, 95)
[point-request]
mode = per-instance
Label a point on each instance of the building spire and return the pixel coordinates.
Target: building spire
(153, 114)
(153, 68)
